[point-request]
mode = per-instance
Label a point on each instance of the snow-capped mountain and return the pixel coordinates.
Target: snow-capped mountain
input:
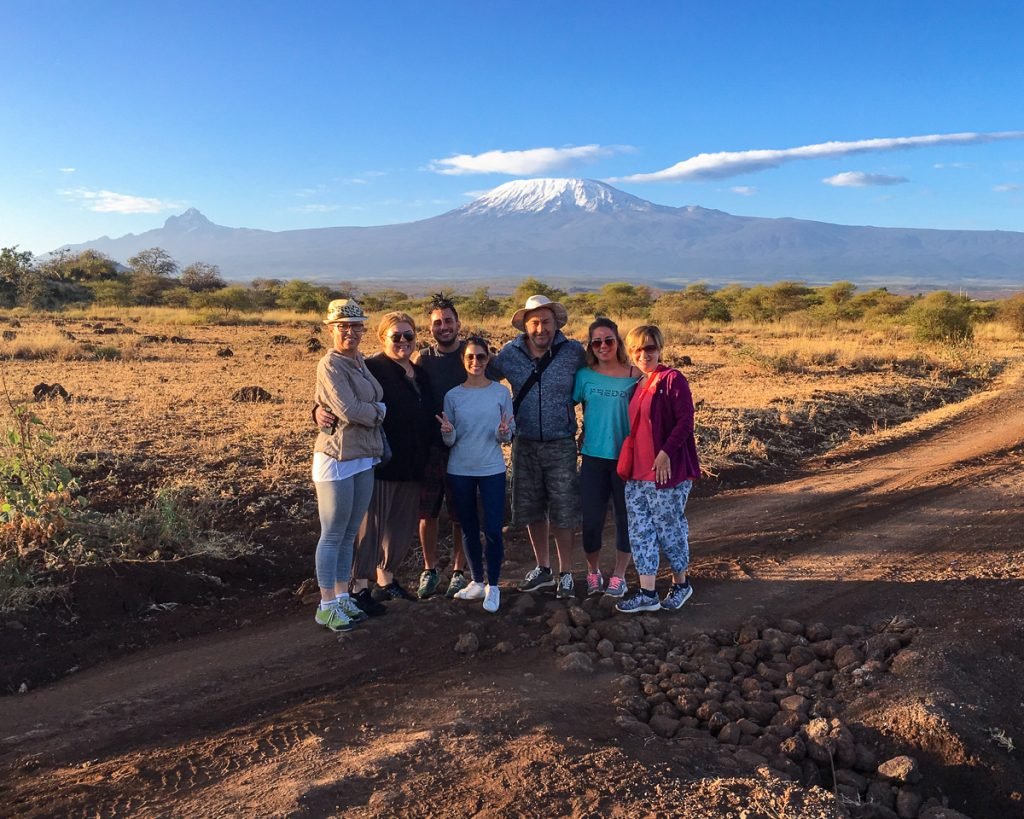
(580, 231)
(555, 196)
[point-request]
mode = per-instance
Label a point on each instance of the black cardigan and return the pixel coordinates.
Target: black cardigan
(409, 424)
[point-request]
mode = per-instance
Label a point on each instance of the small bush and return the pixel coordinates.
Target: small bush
(941, 316)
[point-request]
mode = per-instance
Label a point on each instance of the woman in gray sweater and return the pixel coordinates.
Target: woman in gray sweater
(343, 459)
(477, 419)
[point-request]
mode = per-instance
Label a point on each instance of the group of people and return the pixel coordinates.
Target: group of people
(403, 432)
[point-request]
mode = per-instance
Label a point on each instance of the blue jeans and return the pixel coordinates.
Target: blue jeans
(492, 494)
(342, 506)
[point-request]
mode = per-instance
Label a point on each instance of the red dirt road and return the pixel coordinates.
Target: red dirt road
(282, 718)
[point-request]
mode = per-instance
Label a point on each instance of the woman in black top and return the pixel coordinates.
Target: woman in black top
(390, 524)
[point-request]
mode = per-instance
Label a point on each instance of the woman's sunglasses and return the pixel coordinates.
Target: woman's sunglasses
(407, 335)
(647, 348)
(601, 342)
(476, 356)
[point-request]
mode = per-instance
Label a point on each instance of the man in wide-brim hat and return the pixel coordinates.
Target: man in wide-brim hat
(540, 365)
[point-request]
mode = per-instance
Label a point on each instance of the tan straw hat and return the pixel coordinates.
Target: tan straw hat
(534, 303)
(344, 311)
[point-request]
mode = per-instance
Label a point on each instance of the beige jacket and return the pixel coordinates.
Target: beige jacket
(348, 389)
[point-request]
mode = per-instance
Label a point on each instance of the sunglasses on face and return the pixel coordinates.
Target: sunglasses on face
(407, 335)
(351, 329)
(647, 348)
(476, 356)
(601, 342)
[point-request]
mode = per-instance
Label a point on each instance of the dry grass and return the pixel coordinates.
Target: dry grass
(151, 419)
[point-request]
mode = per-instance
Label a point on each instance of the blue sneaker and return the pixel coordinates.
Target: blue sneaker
(639, 601)
(676, 596)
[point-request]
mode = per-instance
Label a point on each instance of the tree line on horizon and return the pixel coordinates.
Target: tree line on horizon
(153, 278)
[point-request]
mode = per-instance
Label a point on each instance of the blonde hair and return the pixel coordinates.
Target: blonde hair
(643, 335)
(389, 320)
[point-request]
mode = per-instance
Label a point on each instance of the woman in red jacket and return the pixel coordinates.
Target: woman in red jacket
(659, 474)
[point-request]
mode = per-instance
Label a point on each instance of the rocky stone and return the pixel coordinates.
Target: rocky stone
(250, 395)
(939, 812)
(561, 635)
(467, 644)
(908, 803)
(791, 627)
(606, 648)
(730, 733)
(801, 656)
(793, 748)
(750, 759)
(717, 721)
(505, 647)
(579, 617)
(571, 648)
(577, 663)
(864, 758)
(829, 739)
(881, 793)
(902, 769)
(848, 656)
(747, 634)
(816, 632)
(748, 726)
(665, 709)
(621, 630)
(663, 725)
(760, 712)
(845, 776)
(631, 725)
(795, 703)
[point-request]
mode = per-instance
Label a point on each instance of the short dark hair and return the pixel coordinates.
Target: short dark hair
(439, 301)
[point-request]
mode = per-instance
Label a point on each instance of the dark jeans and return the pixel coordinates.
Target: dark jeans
(492, 494)
(598, 482)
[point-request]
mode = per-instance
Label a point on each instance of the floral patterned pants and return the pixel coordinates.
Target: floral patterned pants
(657, 519)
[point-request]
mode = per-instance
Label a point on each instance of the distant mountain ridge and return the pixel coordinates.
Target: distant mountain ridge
(587, 232)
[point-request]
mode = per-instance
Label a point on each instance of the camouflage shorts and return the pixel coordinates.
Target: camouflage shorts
(545, 483)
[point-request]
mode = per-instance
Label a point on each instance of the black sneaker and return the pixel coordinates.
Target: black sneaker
(366, 602)
(537, 578)
(393, 591)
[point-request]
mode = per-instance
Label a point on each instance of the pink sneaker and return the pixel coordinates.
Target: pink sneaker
(616, 587)
(595, 583)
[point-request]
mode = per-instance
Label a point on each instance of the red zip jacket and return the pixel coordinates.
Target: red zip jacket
(672, 425)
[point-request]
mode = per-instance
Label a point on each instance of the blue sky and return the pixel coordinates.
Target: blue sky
(311, 114)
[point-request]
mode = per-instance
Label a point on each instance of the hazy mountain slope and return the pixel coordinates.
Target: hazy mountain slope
(587, 230)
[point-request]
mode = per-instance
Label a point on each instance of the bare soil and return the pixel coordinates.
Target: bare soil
(242, 706)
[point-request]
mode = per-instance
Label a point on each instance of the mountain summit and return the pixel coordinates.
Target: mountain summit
(191, 219)
(556, 196)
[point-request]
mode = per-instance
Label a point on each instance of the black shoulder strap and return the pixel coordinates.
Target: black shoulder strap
(539, 365)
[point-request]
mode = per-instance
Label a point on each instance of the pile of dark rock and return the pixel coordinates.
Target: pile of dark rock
(770, 694)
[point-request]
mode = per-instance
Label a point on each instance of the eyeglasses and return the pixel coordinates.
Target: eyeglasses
(601, 342)
(407, 335)
(647, 348)
(476, 356)
(350, 329)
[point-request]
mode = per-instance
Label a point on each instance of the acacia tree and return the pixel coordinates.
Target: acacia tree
(623, 298)
(200, 277)
(17, 267)
(531, 286)
(154, 261)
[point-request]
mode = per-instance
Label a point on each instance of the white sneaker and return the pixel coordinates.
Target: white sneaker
(474, 591)
(493, 599)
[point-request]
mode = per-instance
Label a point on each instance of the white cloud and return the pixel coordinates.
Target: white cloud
(523, 163)
(67, 170)
(476, 194)
(111, 202)
(733, 163)
(1009, 187)
(942, 165)
(314, 208)
(744, 190)
(859, 179)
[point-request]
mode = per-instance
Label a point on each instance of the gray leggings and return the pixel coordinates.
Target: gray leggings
(342, 506)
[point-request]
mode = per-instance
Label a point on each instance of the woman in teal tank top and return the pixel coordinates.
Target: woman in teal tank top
(604, 388)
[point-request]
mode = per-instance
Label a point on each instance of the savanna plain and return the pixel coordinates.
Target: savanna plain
(854, 645)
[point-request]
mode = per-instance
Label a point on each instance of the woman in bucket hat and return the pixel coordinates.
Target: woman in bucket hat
(343, 459)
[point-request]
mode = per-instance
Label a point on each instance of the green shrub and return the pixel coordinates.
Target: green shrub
(941, 316)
